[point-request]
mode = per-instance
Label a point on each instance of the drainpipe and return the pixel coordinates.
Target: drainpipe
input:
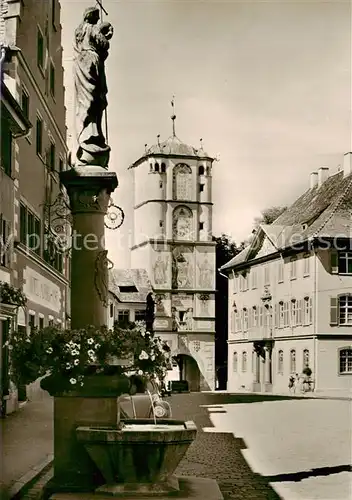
(315, 329)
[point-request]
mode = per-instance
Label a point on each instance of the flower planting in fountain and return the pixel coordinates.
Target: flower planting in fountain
(67, 357)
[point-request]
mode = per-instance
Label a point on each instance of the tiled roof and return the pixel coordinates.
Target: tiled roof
(173, 147)
(127, 278)
(321, 212)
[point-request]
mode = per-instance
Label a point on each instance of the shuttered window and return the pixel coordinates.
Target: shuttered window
(244, 361)
(345, 360)
(293, 361)
(334, 316)
(235, 362)
(345, 262)
(334, 262)
(280, 362)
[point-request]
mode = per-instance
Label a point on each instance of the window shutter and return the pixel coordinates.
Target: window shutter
(333, 311)
(334, 262)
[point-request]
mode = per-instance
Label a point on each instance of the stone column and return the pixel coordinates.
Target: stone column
(89, 192)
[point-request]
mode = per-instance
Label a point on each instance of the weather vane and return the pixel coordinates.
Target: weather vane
(173, 116)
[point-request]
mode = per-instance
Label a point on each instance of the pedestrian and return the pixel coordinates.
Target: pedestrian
(292, 383)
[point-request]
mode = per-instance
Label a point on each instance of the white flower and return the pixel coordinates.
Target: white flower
(140, 372)
(6, 343)
(10, 347)
(143, 355)
(152, 357)
(49, 350)
(68, 366)
(76, 362)
(28, 340)
(91, 352)
(82, 384)
(90, 341)
(74, 352)
(97, 346)
(73, 381)
(15, 339)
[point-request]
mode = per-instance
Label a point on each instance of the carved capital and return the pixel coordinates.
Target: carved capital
(89, 200)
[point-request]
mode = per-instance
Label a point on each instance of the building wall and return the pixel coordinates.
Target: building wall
(328, 377)
(310, 278)
(330, 285)
(35, 180)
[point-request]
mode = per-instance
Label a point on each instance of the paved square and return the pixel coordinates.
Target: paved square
(303, 447)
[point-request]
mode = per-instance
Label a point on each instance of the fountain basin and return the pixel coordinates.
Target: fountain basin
(141, 457)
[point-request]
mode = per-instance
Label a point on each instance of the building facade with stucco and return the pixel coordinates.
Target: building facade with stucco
(172, 231)
(33, 75)
(128, 290)
(290, 294)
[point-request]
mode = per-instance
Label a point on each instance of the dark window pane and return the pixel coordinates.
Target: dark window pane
(39, 136)
(23, 224)
(6, 147)
(40, 49)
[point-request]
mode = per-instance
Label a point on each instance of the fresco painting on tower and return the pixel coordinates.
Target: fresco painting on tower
(161, 269)
(182, 267)
(205, 271)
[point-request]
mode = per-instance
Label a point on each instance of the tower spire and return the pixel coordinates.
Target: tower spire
(173, 116)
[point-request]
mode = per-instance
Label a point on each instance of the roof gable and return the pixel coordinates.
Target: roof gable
(129, 285)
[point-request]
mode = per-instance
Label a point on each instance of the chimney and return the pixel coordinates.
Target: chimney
(313, 179)
(347, 164)
(323, 174)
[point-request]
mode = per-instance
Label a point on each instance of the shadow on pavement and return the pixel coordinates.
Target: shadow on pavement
(299, 476)
(219, 455)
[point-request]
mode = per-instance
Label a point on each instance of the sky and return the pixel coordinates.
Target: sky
(265, 84)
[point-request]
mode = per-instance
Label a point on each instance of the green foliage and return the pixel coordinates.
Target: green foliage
(69, 355)
(226, 249)
(269, 215)
(11, 295)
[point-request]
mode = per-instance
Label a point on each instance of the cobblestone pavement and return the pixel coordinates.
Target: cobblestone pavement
(299, 447)
(219, 455)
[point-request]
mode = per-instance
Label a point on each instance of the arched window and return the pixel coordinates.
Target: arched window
(156, 167)
(293, 361)
(163, 168)
(201, 170)
(280, 361)
(235, 362)
(305, 358)
(244, 361)
(182, 182)
(182, 223)
(151, 167)
(345, 360)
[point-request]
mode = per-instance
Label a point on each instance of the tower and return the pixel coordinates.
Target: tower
(172, 240)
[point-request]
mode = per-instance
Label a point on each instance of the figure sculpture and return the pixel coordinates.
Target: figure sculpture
(91, 50)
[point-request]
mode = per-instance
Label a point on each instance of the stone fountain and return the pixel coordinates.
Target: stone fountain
(96, 454)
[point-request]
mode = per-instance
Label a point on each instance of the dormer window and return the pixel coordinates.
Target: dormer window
(163, 168)
(156, 167)
(201, 170)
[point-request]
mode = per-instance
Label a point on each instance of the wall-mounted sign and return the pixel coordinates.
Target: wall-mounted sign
(42, 291)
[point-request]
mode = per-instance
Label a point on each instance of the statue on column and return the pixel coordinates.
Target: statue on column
(91, 50)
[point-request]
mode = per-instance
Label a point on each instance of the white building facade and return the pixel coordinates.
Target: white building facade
(290, 294)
